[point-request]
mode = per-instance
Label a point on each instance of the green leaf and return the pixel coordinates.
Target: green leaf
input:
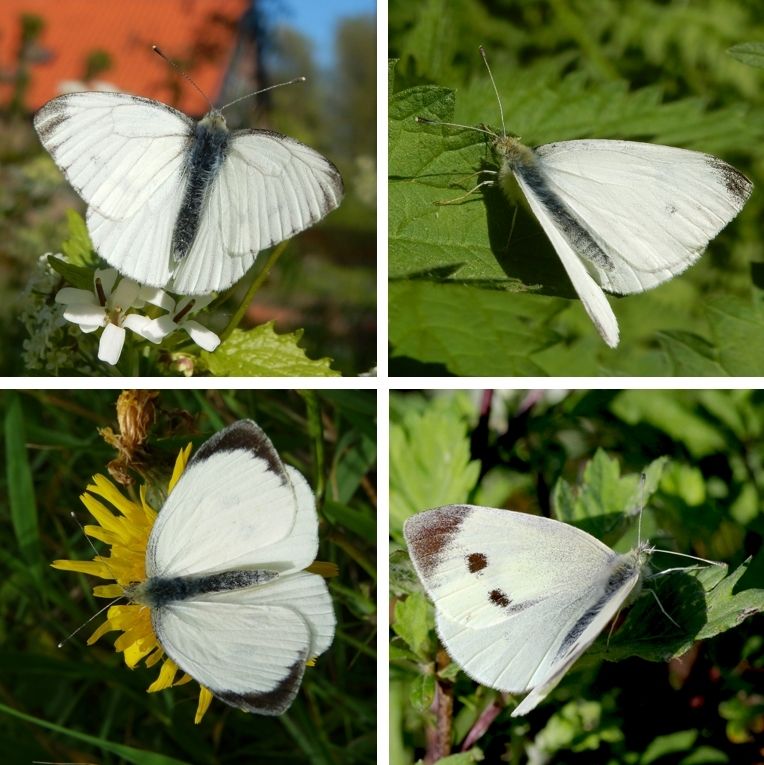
(673, 743)
(260, 352)
(77, 246)
(413, 622)
(429, 464)
(701, 600)
(80, 277)
(751, 53)
(681, 419)
(21, 495)
(470, 331)
(422, 691)
(604, 501)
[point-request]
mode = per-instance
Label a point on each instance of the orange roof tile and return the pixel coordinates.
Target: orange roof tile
(202, 31)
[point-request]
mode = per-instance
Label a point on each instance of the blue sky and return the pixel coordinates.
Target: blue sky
(317, 19)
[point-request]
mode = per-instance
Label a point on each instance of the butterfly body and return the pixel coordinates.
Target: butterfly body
(208, 148)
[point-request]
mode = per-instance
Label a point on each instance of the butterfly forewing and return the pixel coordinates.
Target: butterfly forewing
(653, 209)
(482, 564)
(234, 499)
(118, 151)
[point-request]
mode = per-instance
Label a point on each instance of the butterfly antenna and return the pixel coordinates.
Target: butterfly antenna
(258, 92)
(84, 624)
(642, 481)
(425, 121)
(495, 90)
(95, 550)
(159, 52)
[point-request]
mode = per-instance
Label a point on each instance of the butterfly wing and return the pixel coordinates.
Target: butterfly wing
(593, 298)
(518, 598)
(250, 656)
(116, 150)
(235, 506)
(653, 209)
(125, 156)
(269, 188)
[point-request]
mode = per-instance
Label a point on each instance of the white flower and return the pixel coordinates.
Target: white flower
(109, 308)
(176, 318)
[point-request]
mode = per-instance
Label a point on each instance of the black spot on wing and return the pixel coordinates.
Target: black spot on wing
(274, 702)
(476, 562)
(242, 435)
(500, 599)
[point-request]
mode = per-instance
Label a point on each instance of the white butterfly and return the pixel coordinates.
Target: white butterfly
(518, 598)
(178, 203)
(622, 216)
(230, 602)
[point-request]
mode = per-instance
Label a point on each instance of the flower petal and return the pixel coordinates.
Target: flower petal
(108, 277)
(203, 337)
(157, 297)
(112, 340)
(139, 324)
(73, 296)
(125, 295)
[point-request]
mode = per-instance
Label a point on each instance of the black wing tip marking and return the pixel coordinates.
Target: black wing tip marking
(738, 185)
(244, 435)
(429, 533)
(274, 702)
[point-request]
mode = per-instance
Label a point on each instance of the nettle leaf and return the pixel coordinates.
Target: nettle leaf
(429, 464)
(471, 331)
(491, 245)
(260, 352)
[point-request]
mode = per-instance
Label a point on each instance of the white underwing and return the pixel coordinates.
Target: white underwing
(518, 598)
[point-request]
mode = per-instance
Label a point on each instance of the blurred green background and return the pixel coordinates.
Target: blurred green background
(652, 71)
(531, 451)
(80, 703)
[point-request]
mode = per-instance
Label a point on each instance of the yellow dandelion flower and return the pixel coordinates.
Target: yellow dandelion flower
(126, 532)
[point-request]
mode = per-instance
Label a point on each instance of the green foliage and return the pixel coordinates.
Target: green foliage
(567, 71)
(80, 703)
(749, 53)
(261, 352)
(579, 457)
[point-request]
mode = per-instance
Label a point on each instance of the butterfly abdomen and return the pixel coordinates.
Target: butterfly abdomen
(208, 150)
(158, 591)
